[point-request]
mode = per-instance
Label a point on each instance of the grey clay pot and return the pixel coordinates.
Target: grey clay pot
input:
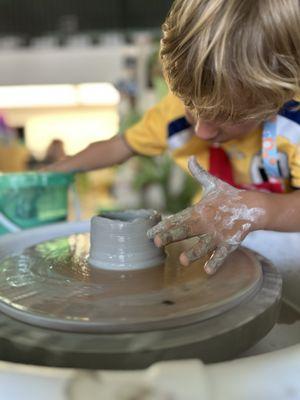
(119, 240)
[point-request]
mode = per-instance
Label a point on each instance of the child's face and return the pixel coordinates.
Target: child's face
(216, 132)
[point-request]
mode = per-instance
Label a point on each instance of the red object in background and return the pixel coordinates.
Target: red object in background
(271, 187)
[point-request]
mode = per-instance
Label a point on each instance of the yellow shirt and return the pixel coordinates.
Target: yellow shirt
(164, 128)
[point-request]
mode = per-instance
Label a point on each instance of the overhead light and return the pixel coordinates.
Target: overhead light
(39, 96)
(97, 94)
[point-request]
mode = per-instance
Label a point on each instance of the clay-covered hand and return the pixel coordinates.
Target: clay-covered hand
(220, 221)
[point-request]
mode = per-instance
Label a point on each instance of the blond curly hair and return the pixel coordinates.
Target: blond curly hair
(232, 60)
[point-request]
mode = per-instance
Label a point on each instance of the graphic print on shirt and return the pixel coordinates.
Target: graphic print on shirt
(286, 126)
(258, 172)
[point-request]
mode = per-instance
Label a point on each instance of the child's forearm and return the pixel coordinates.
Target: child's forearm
(283, 212)
(97, 155)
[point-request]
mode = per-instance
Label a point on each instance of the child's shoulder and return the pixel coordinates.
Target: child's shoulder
(171, 106)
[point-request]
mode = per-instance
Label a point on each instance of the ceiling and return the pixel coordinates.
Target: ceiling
(39, 17)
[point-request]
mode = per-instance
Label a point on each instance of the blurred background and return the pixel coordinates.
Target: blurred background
(73, 72)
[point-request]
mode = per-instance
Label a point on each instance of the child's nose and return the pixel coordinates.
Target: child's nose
(206, 130)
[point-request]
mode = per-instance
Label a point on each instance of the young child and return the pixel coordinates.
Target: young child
(235, 66)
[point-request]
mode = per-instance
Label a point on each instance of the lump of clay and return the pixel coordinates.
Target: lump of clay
(119, 240)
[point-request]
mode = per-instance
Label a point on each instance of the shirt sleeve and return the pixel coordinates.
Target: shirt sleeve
(149, 136)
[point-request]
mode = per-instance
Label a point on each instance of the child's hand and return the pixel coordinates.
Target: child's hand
(221, 220)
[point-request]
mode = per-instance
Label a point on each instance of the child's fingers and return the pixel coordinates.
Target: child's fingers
(172, 222)
(199, 250)
(171, 235)
(179, 232)
(217, 258)
(207, 181)
(160, 227)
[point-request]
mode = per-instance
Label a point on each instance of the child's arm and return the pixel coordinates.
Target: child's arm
(224, 217)
(96, 155)
(283, 212)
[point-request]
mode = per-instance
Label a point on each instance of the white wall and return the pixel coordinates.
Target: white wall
(67, 64)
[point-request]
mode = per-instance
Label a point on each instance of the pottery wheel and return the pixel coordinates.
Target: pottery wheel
(46, 281)
(51, 284)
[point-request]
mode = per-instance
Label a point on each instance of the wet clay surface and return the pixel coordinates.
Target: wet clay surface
(53, 285)
(119, 240)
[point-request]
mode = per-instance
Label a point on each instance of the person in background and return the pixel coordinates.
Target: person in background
(55, 152)
(13, 153)
(233, 69)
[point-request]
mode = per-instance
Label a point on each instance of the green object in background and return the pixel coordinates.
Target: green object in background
(34, 198)
(158, 170)
(160, 87)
